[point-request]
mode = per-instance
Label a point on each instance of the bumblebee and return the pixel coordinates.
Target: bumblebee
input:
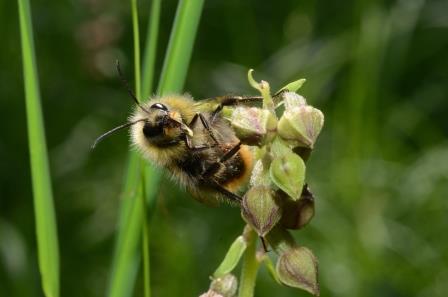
(194, 143)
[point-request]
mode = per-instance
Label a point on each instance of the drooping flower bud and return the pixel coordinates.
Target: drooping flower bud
(297, 267)
(297, 214)
(300, 124)
(226, 285)
(261, 209)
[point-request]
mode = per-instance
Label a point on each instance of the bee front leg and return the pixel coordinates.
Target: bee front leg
(205, 124)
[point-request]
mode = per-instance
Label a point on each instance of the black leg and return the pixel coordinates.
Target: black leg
(197, 147)
(204, 123)
(213, 168)
(232, 196)
(265, 246)
(233, 100)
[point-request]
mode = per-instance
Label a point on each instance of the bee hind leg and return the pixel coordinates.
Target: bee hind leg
(235, 100)
(213, 168)
(232, 196)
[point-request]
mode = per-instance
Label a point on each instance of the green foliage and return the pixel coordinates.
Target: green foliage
(176, 62)
(232, 257)
(45, 219)
(376, 69)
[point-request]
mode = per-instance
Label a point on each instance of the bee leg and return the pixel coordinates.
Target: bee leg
(190, 146)
(213, 168)
(233, 100)
(205, 124)
(224, 191)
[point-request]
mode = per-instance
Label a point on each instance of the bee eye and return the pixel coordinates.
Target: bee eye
(152, 130)
(159, 106)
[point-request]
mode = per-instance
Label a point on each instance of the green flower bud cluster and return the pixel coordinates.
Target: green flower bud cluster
(278, 198)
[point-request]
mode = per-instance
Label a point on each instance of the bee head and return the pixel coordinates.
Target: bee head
(163, 127)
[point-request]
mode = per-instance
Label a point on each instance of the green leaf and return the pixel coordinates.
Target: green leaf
(293, 86)
(232, 257)
(297, 268)
(287, 171)
(45, 218)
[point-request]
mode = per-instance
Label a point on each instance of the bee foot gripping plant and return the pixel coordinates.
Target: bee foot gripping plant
(278, 198)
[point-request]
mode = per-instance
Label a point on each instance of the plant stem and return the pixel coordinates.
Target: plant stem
(250, 265)
(145, 241)
(137, 72)
(138, 91)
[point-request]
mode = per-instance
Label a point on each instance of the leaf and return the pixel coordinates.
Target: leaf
(45, 218)
(297, 268)
(293, 86)
(287, 171)
(232, 257)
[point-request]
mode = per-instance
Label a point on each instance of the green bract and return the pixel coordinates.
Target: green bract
(287, 171)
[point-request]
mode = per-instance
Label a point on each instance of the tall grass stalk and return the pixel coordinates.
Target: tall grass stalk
(46, 230)
(138, 91)
(126, 258)
(149, 55)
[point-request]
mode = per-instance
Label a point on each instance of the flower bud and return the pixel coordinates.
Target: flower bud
(260, 209)
(253, 126)
(300, 124)
(297, 267)
(226, 285)
(297, 214)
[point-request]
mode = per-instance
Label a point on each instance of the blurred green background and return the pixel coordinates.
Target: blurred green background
(377, 69)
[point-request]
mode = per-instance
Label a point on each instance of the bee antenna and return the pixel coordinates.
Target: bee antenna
(102, 136)
(128, 88)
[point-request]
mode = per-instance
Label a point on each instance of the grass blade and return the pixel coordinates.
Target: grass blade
(149, 58)
(125, 262)
(47, 239)
(180, 46)
(126, 256)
